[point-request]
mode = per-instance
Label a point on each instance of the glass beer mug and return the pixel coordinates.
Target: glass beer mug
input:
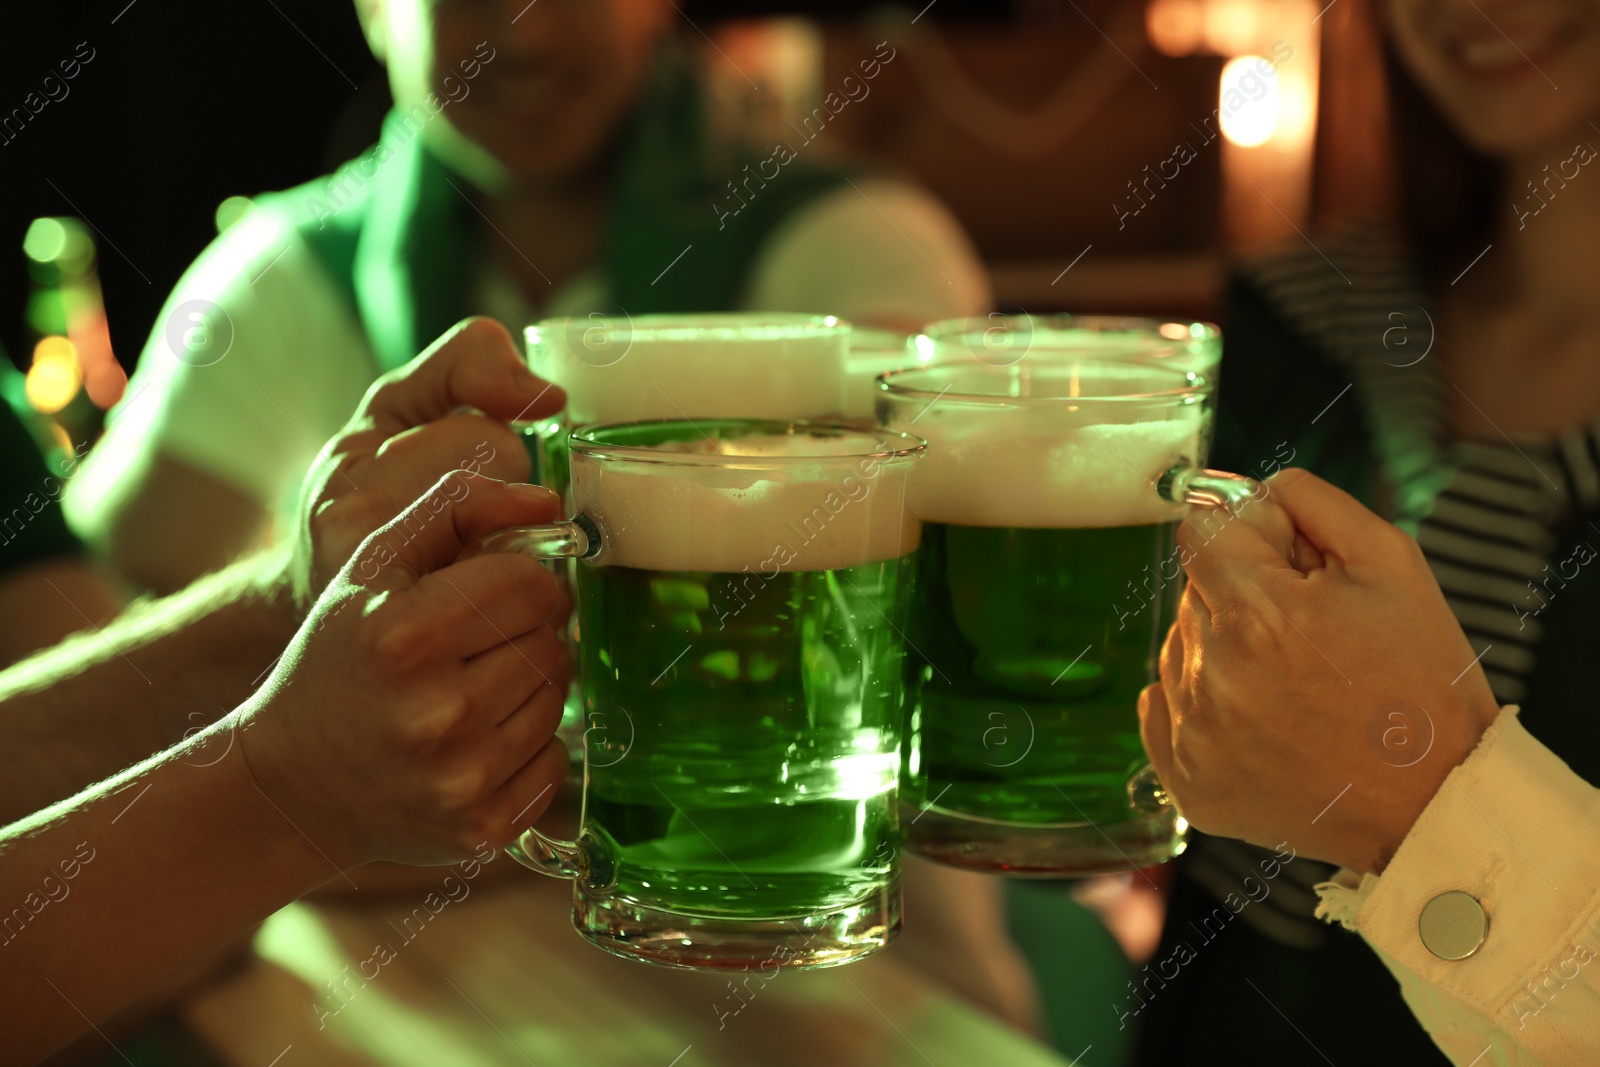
(617, 368)
(742, 590)
(1002, 340)
(1046, 581)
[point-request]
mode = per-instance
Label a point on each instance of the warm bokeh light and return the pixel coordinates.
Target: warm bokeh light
(1297, 108)
(1248, 102)
(1218, 27)
(1268, 115)
(54, 377)
(1174, 331)
(1232, 27)
(103, 377)
(56, 348)
(1175, 27)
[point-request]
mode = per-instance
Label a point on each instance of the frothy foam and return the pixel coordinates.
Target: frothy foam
(722, 519)
(1079, 337)
(1046, 472)
(693, 372)
(1200, 356)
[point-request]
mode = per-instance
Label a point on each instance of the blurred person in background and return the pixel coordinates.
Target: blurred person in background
(48, 588)
(1464, 331)
(545, 159)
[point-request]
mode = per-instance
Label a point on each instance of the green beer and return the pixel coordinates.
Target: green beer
(772, 736)
(1030, 647)
(742, 598)
(1045, 584)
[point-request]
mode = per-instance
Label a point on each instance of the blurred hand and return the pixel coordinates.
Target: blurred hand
(1321, 704)
(413, 716)
(409, 430)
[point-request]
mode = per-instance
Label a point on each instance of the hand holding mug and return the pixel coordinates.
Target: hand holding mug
(1323, 703)
(413, 716)
(447, 409)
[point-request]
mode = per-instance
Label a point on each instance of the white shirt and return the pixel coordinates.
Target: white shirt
(288, 360)
(1515, 828)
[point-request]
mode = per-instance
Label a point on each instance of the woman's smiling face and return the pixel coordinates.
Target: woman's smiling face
(1514, 77)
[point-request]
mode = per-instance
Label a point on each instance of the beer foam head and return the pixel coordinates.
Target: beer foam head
(1005, 339)
(763, 503)
(1045, 460)
(617, 369)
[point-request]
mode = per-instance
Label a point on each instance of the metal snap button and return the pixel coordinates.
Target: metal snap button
(1453, 925)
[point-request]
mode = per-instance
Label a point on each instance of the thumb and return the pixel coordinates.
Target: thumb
(474, 365)
(458, 510)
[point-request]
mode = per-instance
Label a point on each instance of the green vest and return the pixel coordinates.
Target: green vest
(396, 231)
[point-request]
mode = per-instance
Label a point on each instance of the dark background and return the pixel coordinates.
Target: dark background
(187, 103)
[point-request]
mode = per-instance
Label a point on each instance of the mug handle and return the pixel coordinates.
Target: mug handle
(575, 538)
(1186, 484)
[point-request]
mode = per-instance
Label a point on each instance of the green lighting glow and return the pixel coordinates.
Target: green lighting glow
(231, 211)
(58, 248)
(45, 241)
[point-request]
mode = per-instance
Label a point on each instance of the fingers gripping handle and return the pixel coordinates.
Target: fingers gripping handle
(1213, 489)
(1185, 484)
(576, 538)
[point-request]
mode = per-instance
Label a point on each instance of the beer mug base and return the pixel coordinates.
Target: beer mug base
(705, 943)
(1043, 850)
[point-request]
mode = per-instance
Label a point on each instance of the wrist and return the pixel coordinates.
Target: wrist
(278, 778)
(1425, 779)
(258, 825)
